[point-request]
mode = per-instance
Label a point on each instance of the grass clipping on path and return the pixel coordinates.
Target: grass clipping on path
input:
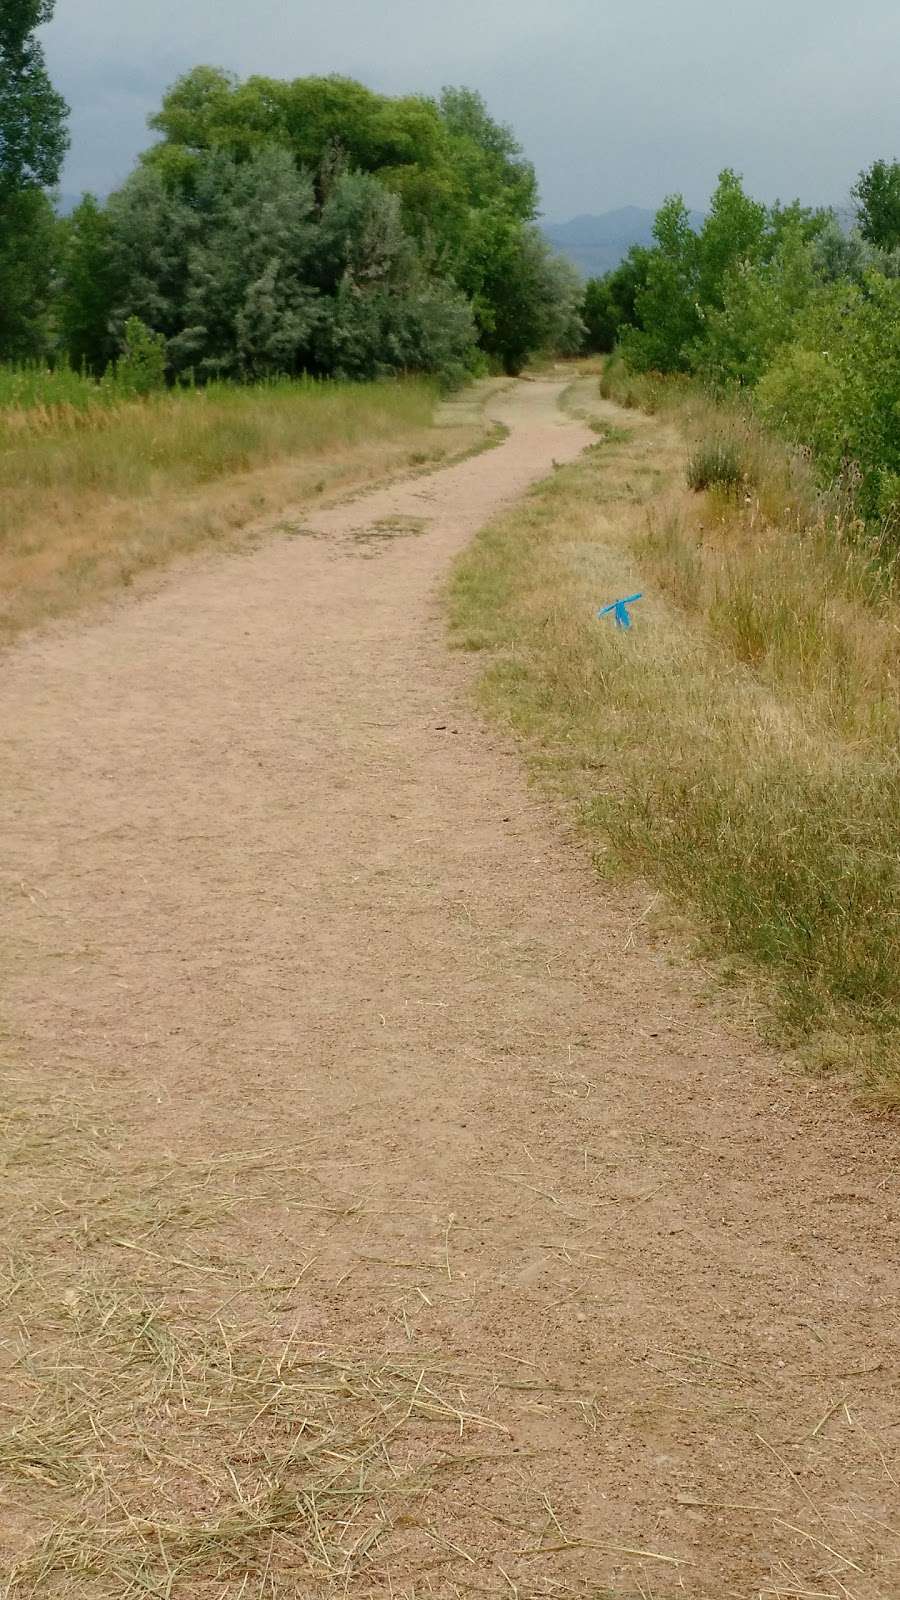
(167, 1425)
(92, 497)
(739, 745)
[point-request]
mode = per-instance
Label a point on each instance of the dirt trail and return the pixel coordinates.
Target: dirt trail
(272, 884)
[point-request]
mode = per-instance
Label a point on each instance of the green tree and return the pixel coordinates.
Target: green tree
(734, 232)
(488, 156)
(877, 194)
(248, 306)
(209, 109)
(705, 301)
(33, 138)
(525, 298)
(241, 273)
(467, 192)
(33, 142)
(152, 229)
(667, 308)
(837, 254)
(598, 312)
(87, 287)
(761, 303)
(626, 282)
(563, 294)
(610, 302)
(28, 248)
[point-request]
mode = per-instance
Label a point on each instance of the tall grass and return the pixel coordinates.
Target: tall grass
(781, 571)
(126, 445)
(716, 464)
(29, 385)
(97, 486)
(741, 745)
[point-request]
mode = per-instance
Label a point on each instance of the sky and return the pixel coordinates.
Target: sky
(617, 102)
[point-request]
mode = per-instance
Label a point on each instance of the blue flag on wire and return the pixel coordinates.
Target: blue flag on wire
(618, 608)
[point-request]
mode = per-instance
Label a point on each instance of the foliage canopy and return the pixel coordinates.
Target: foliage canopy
(33, 142)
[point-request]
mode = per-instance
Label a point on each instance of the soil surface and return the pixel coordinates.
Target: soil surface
(273, 884)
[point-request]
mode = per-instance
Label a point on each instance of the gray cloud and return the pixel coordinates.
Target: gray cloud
(615, 102)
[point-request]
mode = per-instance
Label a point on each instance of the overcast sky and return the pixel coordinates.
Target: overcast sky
(617, 102)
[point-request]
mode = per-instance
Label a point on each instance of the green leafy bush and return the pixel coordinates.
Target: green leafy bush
(142, 366)
(837, 390)
(761, 302)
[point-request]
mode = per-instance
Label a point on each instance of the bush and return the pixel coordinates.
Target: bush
(141, 368)
(837, 391)
(716, 464)
(785, 306)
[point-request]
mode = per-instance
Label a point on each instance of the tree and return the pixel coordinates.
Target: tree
(87, 287)
(761, 303)
(33, 142)
(488, 156)
(836, 389)
(467, 193)
(625, 284)
(28, 244)
(525, 298)
(812, 222)
(610, 302)
(877, 194)
(667, 309)
(733, 232)
(248, 306)
(242, 274)
(719, 301)
(33, 138)
(563, 294)
(599, 315)
(837, 254)
(209, 109)
(152, 228)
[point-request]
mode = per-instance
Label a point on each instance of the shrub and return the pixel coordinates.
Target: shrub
(141, 368)
(716, 464)
(837, 390)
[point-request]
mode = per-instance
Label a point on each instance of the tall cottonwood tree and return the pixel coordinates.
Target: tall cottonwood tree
(468, 194)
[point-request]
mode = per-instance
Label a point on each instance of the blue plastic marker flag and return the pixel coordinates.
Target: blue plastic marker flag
(618, 608)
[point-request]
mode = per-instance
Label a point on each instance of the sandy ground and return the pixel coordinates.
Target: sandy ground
(271, 879)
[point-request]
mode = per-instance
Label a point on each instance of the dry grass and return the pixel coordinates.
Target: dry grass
(172, 1425)
(166, 1425)
(94, 498)
(739, 745)
(781, 572)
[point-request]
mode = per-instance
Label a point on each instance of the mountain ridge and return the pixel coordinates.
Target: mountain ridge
(595, 242)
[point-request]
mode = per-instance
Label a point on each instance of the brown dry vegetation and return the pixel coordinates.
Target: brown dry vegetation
(739, 745)
(93, 499)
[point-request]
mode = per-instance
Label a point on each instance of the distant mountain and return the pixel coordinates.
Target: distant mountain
(596, 244)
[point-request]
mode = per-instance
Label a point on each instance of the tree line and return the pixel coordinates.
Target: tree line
(783, 304)
(277, 227)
